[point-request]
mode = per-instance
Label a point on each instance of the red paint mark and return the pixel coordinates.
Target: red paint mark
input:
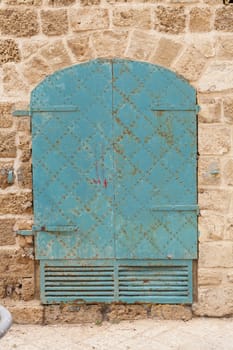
(105, 183)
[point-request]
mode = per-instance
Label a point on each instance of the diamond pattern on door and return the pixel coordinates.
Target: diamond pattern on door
(114, 177)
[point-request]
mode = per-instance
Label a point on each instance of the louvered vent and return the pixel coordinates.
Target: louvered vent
(63, 283)
(159, 283)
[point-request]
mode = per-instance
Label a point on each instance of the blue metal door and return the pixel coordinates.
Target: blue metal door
(114, 183)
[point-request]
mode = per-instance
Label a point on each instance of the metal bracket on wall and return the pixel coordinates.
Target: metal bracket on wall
(21, 113)
(25, 232)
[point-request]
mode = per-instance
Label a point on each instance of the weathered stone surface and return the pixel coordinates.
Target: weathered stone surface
(214, 302)
(217, 77)
(36, 69)
(166, 52)
(171, 312)
(18, 22)
(216, 254)
(30, 312)
(16, 203)
(6, 118)
(61, 2)
(206, 46)
(135, 18)
(25, 147)
(207, 277)
(141, 45)
(211, 226)
(170, 19)
(218, 200)
(210, 111)
(24, 224)
(230, 276)
(118, 312)
(32, 47)
(5, 169)
(89, 2)
(229, 229)
(24, 2)
(110, 43)
(228, 109)
(225, 48)
(7, 235)
(72, 313)
(89, 19)
(223, 19)
(80, 46)
(14, 264)
(9, 51)
(228, 172)
(56, 55)
(24, 175)
(200, 19)
(214, 139)
(13, 84)
(54, 22)
(23, 124)
(7, 145)
(209, 172)
(191, 64)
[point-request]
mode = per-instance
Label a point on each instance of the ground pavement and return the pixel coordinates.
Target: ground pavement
(197, 334)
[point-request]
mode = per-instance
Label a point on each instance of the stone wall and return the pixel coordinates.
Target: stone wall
(192, 38)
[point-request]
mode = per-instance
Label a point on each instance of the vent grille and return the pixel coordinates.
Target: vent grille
(158, 282)
(79, 282)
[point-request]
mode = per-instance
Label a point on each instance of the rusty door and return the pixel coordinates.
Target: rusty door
(114, 183)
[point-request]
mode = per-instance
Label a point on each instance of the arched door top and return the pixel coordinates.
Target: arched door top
(67, 86)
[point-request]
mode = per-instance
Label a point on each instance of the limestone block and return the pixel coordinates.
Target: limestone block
(216, 254)
(28, 288)
(7, 235)
(211, 226)
(223, 19)
(9, 51)
(72, 313)
(7, 145)
(89, 2)
(25, 147)
(5, 168)
(170, 19)
(56, 55)
(225, 48)
(141, 45)
(214, 139)
(210, 277)
(89, 19)
(24, 175)
(229, 229)
(13, 84)
(166, 52)
(36, 69)
(230, 276)
(206, 46)
(31, 47)
(30, 312)
(18, 22)
(14, 264)
(54, 22)
(214, 302)
(218, 200)
(23, 224)
(210, 111)
(110, 43)
(191, 64)
(24, 2)
(6, 118)
(228, 172)
(135, 18)
(80, 46)
(61, 2)
(200, 19)
(217, 77)
(228, 109)
(171, 312)
(24, 124)
(12, 203)
(118, 312)
(209, 172)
